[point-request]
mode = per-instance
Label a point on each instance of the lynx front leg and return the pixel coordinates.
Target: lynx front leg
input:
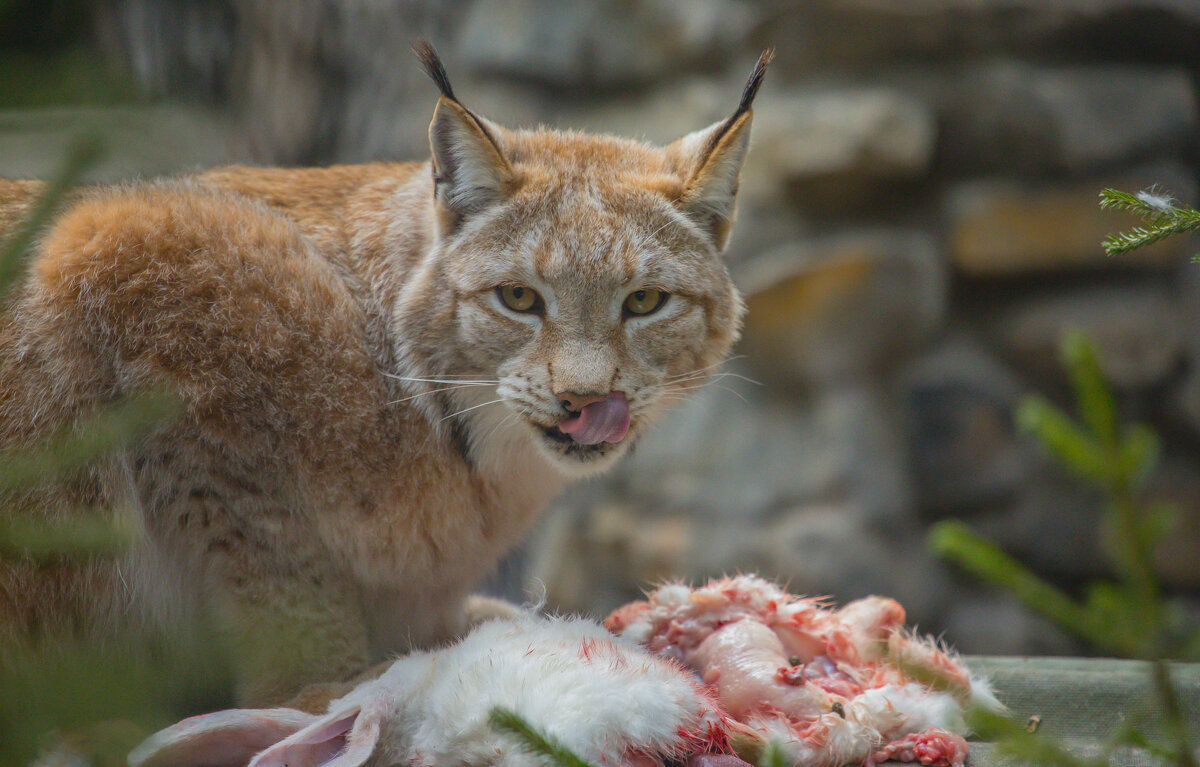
(290, 637)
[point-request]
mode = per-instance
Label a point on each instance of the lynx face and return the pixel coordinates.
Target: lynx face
(571, 292)
(582, 274)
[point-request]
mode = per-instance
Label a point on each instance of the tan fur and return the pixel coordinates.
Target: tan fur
(320, 510)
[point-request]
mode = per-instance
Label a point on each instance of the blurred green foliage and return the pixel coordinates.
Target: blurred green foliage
(100, 698)
(1128, 615)
(48, 56)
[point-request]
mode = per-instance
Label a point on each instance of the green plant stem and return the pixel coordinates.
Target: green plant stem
(109, 430)
(1135, 553)
(955, 541)
(83, 153)
(1174, 721)
(506, 720)
(43, 540)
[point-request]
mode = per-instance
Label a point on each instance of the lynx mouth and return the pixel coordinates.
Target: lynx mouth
(564, 444)
(605, 420)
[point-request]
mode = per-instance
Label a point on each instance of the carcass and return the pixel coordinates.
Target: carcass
(830, 686)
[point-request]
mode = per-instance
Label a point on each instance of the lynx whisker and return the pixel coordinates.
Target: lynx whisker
(739, 376)
(473, 407)
(706, 367)
(503, 422)
(440, 380)
(435, 391)
(680, 389)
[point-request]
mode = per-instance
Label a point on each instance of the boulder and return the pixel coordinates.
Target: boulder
(963, 449)
(836, 308)
(1052, 526)
(994, 623)
(599, 45)
(837, 149)
(139, 140)
(735, 451)
(1016, 117)
(999, 228)
(1177, 485)
(835, 550)
(862, 33)
(1135, 328)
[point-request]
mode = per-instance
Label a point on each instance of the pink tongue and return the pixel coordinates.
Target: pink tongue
(603, 421)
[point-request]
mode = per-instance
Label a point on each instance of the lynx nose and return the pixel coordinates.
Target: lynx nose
(575, 401)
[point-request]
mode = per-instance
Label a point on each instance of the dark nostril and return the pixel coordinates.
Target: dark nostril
(567, 405)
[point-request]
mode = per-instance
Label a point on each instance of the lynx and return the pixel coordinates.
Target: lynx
(386, 371)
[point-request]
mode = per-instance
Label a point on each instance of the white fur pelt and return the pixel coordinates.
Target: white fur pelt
(604, 698)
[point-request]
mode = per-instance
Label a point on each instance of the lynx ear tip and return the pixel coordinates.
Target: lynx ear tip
(432, 64)
(755, 81)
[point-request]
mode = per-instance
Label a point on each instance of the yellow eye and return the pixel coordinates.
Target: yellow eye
(641, 302)
(520, 298)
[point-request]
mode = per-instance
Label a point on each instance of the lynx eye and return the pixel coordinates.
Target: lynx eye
(642, 302)
(520, 298)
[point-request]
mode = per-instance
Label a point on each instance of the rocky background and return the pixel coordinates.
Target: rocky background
(918, 228)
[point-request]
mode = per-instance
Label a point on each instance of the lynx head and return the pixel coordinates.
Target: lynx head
(581, 273)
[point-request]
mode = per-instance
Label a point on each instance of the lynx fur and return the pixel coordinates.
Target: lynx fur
(371, 414)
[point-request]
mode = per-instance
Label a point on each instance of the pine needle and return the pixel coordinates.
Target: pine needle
(1160, 213)
(508, 721)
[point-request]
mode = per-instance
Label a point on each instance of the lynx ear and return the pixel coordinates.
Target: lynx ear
(469, 170)
(713, 159)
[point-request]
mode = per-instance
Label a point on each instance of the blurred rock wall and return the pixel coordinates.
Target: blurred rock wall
(918, 228)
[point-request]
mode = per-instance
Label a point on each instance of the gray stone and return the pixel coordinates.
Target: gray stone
(580, 44)
(722, 485)
(1015, 117)
(658, 115)
(1053, 526)
(836, 550)
(963, 448)
(821, 549)
(1003, 228)
(837, 308)
(1135, 330)
(720, 457)
(138, 141)
(1184, 403)
(728, 451)
(997, 624)
(1177, 557)
(833, 148)
(865, 32)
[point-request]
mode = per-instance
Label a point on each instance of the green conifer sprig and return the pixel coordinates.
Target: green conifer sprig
(60, 689)
(508, 721)
(1129, 615)
(1160, 213)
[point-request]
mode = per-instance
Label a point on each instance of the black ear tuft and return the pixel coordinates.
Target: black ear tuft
(432, 65)
(748, 94)
(756, 78)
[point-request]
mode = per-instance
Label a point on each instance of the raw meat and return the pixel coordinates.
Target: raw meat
(831, 687)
